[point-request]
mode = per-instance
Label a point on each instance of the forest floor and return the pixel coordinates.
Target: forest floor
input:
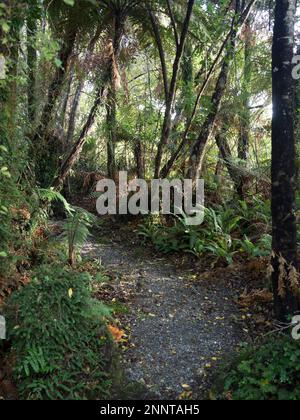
(180, 321)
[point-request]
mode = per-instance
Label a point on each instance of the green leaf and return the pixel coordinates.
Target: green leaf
(5, 172)
(58, 62)
(69, 2)
(5, 27)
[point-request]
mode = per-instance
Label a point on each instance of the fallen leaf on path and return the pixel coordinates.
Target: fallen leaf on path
(116, 333)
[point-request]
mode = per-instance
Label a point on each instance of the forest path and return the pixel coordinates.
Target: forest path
(179, 327)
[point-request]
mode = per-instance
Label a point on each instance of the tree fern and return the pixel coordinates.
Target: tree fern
(76, 231)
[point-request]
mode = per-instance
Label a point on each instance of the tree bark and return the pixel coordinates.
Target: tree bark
(285, 275)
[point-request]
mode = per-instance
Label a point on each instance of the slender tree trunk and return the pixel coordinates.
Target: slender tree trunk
(31, 65)
(297, 125)
(226, 155)
(4, 59)
(167, 123)
(285, 275)
(243, 146)
(65, 101)
(56, 85)
(111, 118)
(45, 147)
(161, 51)
(77, 148)
(73, 113)
(139, 158)
(15, 15)
(198, 150)
(111, 122)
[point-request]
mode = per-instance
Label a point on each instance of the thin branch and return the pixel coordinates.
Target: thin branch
(173, 22)
(160, 51)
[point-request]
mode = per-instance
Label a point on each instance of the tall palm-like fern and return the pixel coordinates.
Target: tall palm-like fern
(76, 231)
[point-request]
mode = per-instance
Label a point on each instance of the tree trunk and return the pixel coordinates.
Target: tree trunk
(45, 146)
(139, 158)
(4, 91)
(12, 72)
(284, 261)
(226, 155)
(74, 108)
(31, 64)
(161, 51)
(111, 118)
(77, 148)
(243, 146)
(56, 85)
(111, 122)
(65, 102)
(198, 150)
(297, 126)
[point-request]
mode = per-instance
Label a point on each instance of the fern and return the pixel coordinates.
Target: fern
(59, 340)
(50, 195)
(77, 230)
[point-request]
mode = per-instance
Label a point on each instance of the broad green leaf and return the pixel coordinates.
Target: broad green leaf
(5, 27)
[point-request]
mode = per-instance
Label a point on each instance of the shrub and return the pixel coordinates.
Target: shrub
(270, 371)
(59, 337)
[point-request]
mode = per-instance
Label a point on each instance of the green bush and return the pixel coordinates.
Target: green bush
(270, 371)
(59, 337)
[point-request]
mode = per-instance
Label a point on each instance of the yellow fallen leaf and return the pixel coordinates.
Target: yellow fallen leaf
(116, 333)
(186, 395)
(70, 293)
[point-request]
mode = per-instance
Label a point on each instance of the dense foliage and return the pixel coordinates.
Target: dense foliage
(59, 337)
(266, 372)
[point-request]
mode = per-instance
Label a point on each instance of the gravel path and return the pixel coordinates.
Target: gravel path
(180, 328)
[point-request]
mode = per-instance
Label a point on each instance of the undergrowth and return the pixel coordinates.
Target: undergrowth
(226, 231)
(59, 337)
(268, 371)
